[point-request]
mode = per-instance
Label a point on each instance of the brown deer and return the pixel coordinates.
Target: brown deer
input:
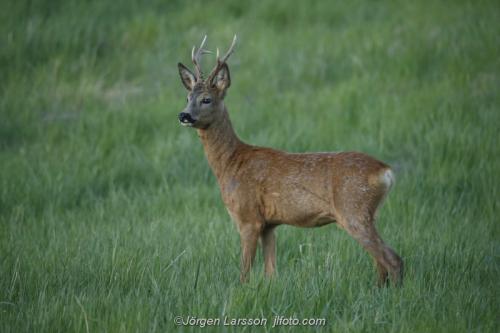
(263, 187)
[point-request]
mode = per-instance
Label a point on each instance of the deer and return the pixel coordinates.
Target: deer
(263, 188)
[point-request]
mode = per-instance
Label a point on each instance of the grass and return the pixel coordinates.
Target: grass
(111, 221)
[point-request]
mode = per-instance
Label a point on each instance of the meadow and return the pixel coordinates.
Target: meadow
(111, 220)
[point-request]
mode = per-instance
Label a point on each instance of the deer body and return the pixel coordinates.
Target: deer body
(263, 187)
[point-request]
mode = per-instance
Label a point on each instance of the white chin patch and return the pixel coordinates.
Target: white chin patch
(187, 124)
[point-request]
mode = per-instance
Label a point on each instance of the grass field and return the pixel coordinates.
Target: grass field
(111, 220)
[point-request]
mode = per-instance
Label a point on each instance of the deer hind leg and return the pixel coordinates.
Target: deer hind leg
(269, 250)
(249, 236)
(396, 264)
(383, 275)
(387, 261)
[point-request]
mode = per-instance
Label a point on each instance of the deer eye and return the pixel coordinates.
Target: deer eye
(206, 101)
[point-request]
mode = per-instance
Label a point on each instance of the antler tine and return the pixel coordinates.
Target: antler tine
(195, 57)
(228, 53)
(222, 61)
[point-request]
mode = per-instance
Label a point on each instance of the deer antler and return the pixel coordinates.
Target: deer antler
(196, 57)
(222, 61)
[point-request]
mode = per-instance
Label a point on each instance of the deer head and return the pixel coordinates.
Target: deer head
(205, 97)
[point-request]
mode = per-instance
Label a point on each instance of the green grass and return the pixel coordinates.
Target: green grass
(111, 221)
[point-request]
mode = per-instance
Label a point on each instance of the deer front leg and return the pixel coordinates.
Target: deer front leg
(269, 250)
(249, 236)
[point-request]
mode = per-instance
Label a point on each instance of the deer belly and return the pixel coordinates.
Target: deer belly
(303, 211)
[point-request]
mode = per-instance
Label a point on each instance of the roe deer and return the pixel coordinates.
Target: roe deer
(263, 187)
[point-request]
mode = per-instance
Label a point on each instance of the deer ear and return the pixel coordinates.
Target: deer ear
(187, 77)
(222, 80)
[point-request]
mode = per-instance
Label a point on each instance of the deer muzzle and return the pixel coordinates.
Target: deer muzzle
(186, 119)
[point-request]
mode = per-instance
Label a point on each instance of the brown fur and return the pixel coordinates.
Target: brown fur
(263, 187)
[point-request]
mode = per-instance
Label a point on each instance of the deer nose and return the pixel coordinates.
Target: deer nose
(185, 118)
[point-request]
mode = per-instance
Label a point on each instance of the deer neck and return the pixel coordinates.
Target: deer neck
(220, 143)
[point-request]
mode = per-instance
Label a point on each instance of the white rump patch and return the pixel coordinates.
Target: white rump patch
(388, 178)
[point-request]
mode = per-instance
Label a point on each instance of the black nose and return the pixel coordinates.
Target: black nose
(185, 118)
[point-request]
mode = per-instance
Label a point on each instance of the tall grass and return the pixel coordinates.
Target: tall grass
(110, 219)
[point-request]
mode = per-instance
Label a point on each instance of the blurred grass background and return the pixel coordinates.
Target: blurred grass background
(110, 219)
